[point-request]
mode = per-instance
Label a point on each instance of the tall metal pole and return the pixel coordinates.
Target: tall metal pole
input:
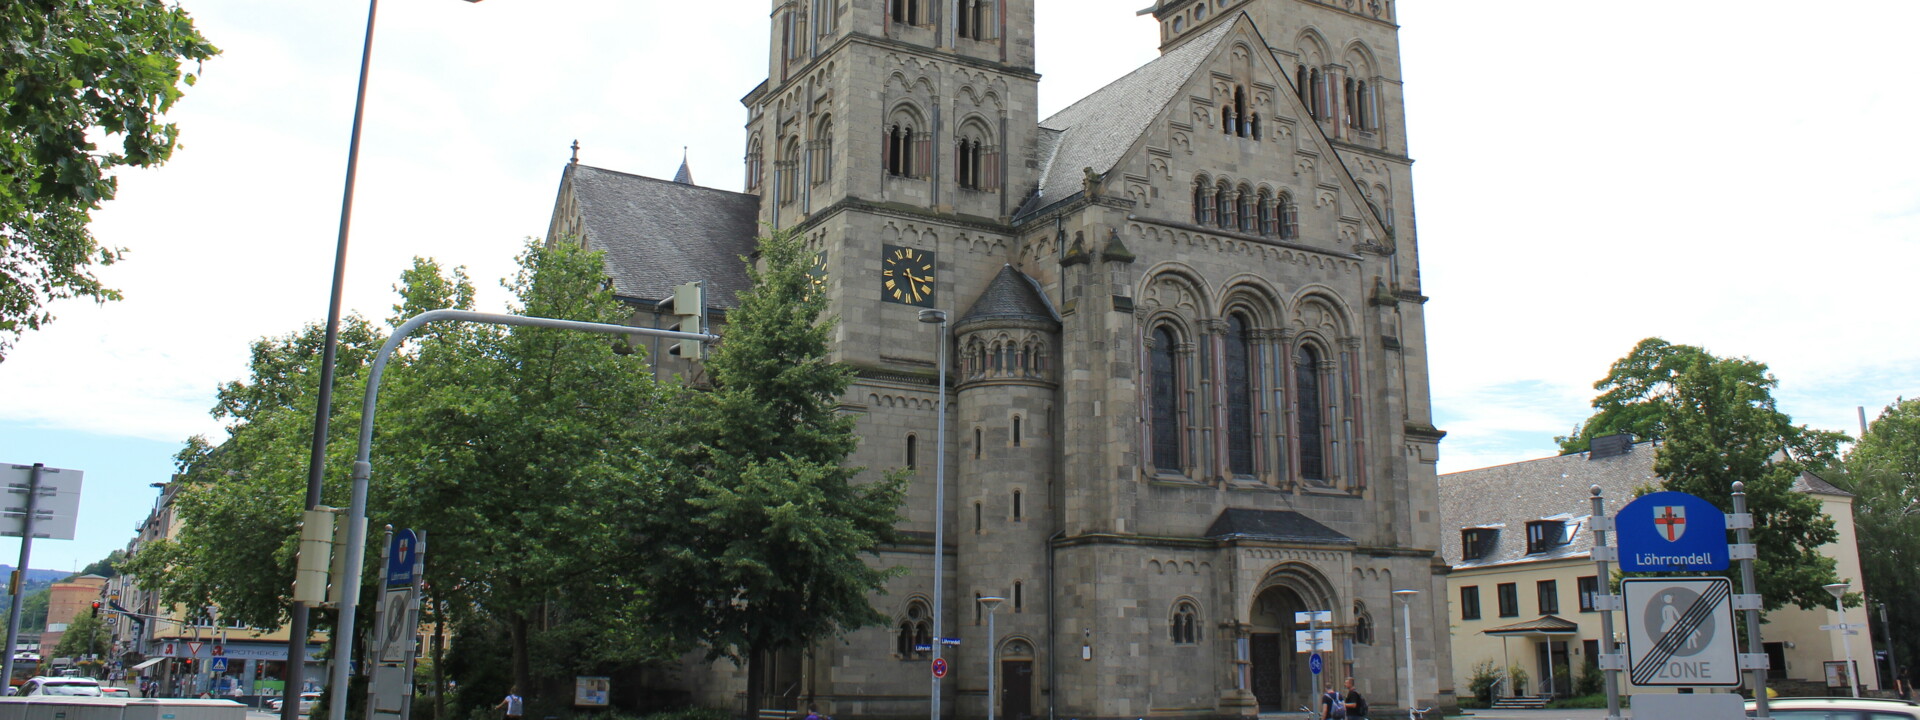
(1743, 534)
(993, 653)
(1604, 577)
(1406, 641)
(939, 503)
(1893, 664)
(1839, 591)
(20, 571)
(299, 629)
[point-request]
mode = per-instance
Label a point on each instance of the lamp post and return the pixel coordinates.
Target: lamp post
(1839, 591)
(1406, 639)
(939, 317)
(992, 603)
(298, 613)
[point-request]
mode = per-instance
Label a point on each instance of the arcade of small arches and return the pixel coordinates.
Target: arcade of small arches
(1242, 208)
(1004, 356)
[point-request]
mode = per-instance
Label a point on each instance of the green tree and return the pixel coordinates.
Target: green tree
(70, 69)
(769, 550)
(1883, 473)
(1718, 423)
(86, 635)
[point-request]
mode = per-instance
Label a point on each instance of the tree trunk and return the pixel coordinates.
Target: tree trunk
(756, 681)
(439, 661)
(522, 673)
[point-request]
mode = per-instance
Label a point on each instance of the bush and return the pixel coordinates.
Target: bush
(1592, 680)
(1481, 682)
(1518, 682)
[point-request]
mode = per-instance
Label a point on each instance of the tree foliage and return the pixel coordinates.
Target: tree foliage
(769, 548)
(86, 635)
(1883, 473)
(1718, 423)
(70, 69)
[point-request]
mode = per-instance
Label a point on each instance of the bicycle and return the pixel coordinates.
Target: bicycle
(1418, 713)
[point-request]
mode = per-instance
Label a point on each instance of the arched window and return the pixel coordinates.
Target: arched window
(1202, 201)
(1240, 111)
(1265, 210)
(906, 12)
(822, 151)
(1165, 400)
(1019, 508)
(976, 443)
(1253, 122)
(1318, 98)
(914, 632)
(1362, 624)
(789, 172)
(1185, 628)
(1016, 431)
(1308, 412)
(979, 518)
(975, 19)
(1239, 362)
(753, 163)
(907, 144)
(976, 161)
(1289, 217)
(1249, 208)
(1223, 202)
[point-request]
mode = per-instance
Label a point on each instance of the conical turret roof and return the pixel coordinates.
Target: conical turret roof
(1012, 296)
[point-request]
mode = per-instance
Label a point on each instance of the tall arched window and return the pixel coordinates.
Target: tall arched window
(822, 151)
(1239, 111)
(1165, 400)
(789, 172)
(1223, 204)
(914, 632)
(976, 161)
(1266, 213)
(910, 452)
(900, 161)
(1289, 217)
(1239, 362)
(753, 163)
(1202, 201)
(906, 12)
(1249, 207)
(1308, 411)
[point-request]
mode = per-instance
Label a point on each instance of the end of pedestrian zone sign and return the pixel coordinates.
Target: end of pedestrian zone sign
(1671, 532)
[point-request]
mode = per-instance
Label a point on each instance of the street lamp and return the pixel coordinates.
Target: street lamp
(939, 317)
(992, 603)
(1839, 591)
(1406, 639)
(317, 456)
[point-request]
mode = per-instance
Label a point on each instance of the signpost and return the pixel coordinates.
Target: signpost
(1315, 664)
(390, 695)
(1680, 632)
(939, 667)
(1671, 532)
(39, 502)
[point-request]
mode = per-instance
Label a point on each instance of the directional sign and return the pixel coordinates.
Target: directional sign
(1315, 664)
(56, 508)
(1680, 632)
(1313, 616)
(1312, 640)
(939, 667)
(1671, 532)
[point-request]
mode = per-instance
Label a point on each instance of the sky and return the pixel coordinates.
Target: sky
(1734, 175)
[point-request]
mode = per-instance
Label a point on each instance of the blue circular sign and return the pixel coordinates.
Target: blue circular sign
(1314, 663)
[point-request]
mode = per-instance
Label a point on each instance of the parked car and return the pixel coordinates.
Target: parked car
(61, 686)
(307, 699)
(1839, 708)
(118, 692)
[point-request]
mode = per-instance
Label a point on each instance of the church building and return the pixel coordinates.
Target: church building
(1188, 419)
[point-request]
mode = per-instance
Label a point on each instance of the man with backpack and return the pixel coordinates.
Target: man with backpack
(1356, 703)
(1332, 705)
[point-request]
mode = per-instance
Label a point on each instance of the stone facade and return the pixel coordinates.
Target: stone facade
(1188, 390)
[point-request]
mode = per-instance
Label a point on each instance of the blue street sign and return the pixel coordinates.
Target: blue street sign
(1314, 663)
(1671, 532)
(400, 558)
(218, 665)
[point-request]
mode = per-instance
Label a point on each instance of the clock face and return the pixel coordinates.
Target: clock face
(817, 274)
(907, 275)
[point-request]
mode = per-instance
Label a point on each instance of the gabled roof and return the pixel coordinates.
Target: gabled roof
(1281, 525)
(657, 234)
(1813, 484)
(1097, 131)
(1507, 497)
(1011, 295)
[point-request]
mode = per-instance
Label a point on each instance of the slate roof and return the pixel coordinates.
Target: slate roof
(1546, 625)
(658, 233)
(1282, 525)
(1011, 295)
(1507, 497)
(1096, 131)
(1811, 483)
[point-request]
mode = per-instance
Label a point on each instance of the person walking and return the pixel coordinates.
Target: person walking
(1332, 705)
(1356, 703)
(512, 703)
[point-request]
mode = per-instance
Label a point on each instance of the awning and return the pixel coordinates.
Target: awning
(1547, 625)
(150, 663)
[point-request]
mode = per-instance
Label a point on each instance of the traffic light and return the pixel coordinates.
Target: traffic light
(316, 554)
(690, 303)
(96, 608)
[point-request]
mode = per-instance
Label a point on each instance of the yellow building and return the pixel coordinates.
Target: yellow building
(1523, 580)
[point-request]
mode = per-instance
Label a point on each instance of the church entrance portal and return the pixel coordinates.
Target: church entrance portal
(1281, 681)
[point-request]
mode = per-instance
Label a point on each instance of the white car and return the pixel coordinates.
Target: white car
(307, 699)
(85, 687)
(1839, 709)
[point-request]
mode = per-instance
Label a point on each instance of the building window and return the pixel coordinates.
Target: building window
(820, 151)
(1478, 543)
(910, 452)
(1470, 602)
(979, 518)
(1589, 593)
(1264, 207)
(1509, 599)
(1544, 535)
(1017, 509)
(1202, 201)
(1549, 591)
(1289, 217)
(1308, 411)
(1019, 596)
(977, 443)
(1223, 204)
(1239, 389)
(1164, 400)
(1185, 628)
(913, 638)
(906, 12)
(976, 161)
(1362, 624)
(1249, 207)
(975, 17)
(1016, 431)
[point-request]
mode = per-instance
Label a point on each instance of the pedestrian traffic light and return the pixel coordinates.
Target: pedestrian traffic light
(690, 303)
